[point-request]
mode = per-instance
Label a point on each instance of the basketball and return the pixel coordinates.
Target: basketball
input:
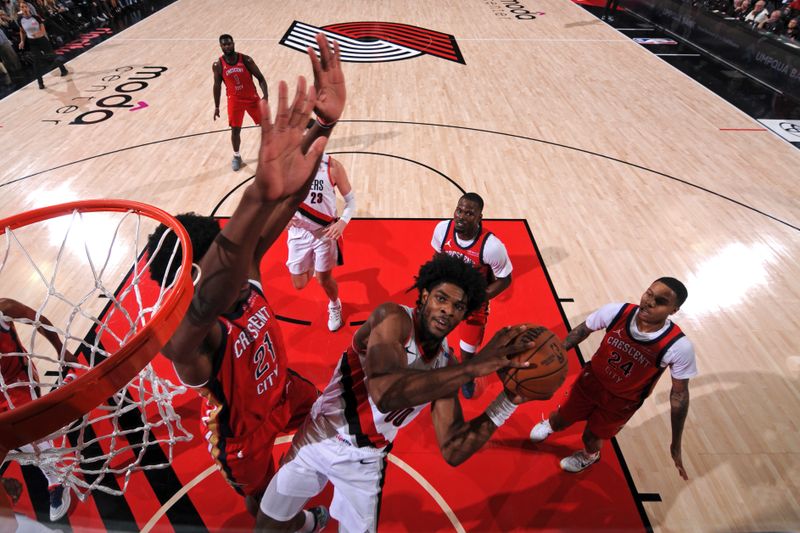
(547, 370)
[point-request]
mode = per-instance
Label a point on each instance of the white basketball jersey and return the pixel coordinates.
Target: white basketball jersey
(347, 407)
(319, 207)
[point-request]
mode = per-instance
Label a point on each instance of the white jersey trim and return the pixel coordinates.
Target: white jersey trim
(494, 252)
(680, 357)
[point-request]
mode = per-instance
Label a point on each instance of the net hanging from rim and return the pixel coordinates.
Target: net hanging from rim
(82, 266)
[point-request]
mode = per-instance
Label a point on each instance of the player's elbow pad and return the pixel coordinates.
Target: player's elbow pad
(349, 206)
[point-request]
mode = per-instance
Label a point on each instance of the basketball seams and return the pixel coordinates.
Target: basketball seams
(513, 371)
(543, 376)
(539, 386)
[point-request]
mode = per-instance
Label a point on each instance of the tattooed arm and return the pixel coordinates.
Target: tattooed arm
(578, 334)
(679, 408)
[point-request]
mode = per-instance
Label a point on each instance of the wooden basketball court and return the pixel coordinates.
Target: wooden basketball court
(623, 169)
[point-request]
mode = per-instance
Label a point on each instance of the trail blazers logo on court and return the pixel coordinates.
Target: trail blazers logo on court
(376, 42)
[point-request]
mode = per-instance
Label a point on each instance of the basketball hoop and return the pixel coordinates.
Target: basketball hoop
(95, 286)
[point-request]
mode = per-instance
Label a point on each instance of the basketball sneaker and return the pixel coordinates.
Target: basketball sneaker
(321, 517)
(236, 162)
(578, 461)
(541, 431)
(335, 315)
(59, 501)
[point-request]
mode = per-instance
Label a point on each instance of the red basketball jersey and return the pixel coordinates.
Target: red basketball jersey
(246, 390)
(626, 367)
(11, 368)
(472, 253)
(238, 80)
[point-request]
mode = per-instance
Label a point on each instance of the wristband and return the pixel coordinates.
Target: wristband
(325, 125)
(500, 409)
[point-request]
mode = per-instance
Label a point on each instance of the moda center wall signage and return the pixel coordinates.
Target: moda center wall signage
(774, 60)
(117, 90)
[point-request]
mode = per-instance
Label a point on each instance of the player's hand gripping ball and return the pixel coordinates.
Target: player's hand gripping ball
(547, 370)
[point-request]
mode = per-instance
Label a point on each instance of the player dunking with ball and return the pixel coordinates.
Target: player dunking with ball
(237, 71)
(397, 363)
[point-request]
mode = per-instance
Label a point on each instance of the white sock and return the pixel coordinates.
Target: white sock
(337, 303)
(308, 525)
(237, 154)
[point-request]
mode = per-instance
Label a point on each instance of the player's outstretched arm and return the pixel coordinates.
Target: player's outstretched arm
(679, 409)
(578, 334)
(14, 309)
(216, 68)
(334, 230)
(458, 439)
(256, 72)
(392, 385)
(329, 84)
(497, 286)
(226, 265)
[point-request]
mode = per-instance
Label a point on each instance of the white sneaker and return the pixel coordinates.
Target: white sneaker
(59, 502)
(579, 460)
(335, 315)
(541, 431)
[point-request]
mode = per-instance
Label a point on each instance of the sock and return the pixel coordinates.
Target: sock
(237, 154)
(337, 303)
(309, 524)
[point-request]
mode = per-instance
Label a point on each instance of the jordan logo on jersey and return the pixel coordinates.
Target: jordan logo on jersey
(376, 42)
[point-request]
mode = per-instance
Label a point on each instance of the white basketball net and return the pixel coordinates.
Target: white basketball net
(68, 269)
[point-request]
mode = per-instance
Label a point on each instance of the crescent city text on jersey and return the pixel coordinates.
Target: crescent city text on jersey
(624, 347)
(255, 324)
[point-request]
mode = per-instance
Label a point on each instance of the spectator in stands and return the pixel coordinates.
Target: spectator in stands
(793, 29)
(8, 56)
(13, 7)
(773, 24)
(729, 8)
(758, 15)
(743, 9)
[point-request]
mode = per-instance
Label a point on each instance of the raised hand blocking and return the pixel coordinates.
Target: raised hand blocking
(328, 80)
(282, 167)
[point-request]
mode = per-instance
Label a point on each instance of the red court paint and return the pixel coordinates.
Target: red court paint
(510, 485)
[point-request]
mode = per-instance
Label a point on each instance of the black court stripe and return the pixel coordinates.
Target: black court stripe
(436, 171)
(116, 512)
(649, 496)
(293, 320)
(36, 484)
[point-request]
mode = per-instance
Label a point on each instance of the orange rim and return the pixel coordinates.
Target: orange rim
(69, 402)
